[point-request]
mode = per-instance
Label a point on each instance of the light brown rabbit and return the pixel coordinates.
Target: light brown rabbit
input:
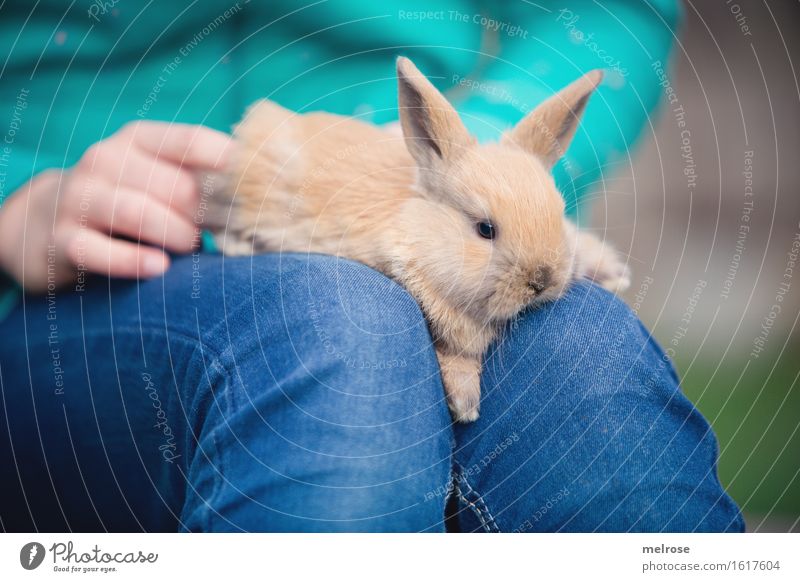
(474, 232)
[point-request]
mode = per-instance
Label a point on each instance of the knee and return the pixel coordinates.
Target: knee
(568, 359)
(356, 316)
(337, 326)
(585, 360)
(587, 344)
(331, 412)
(347, 305)
(601, 421)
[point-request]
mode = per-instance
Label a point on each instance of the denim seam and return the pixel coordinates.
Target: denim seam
(230, 315)
(211, 357)
(476, 504)
(195, 334)
(215, 491)
(218, 469)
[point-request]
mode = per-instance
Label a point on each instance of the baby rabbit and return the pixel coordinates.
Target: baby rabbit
(475, 233)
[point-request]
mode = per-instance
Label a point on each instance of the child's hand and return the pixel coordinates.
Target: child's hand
(137, 184)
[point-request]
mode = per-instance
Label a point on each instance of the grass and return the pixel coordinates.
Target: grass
(756, 416)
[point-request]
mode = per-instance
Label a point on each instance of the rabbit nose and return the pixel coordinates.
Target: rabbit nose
(536, 286)
(540, 279)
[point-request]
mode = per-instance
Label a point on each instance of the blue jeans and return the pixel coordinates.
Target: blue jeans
(301, 393)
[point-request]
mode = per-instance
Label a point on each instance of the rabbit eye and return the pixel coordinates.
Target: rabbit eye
(487, 230)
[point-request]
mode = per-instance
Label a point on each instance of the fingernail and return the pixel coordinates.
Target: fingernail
(154, 265)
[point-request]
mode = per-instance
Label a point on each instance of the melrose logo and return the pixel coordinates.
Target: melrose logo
(31, 555)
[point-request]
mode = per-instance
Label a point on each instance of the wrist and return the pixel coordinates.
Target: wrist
(26, 213)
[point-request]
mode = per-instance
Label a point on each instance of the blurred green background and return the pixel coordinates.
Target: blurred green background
(756, 422)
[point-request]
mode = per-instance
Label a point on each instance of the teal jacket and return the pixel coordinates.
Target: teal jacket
(74, 73)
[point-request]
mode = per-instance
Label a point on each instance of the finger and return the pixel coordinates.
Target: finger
(176, 187)
(193, 145)
(119, 163)
(97, 253)
(133, 214)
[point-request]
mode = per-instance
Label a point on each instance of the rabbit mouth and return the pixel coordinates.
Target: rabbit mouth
(514, 290)
(506, 301)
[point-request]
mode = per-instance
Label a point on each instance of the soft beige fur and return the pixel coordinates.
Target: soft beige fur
(409, 205)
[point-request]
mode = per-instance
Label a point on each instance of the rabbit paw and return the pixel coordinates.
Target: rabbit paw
(462, 383)
(602, 264)
(612, 274)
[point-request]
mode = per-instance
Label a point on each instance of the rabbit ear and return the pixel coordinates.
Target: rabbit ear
(548, 130)
(432, 128)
